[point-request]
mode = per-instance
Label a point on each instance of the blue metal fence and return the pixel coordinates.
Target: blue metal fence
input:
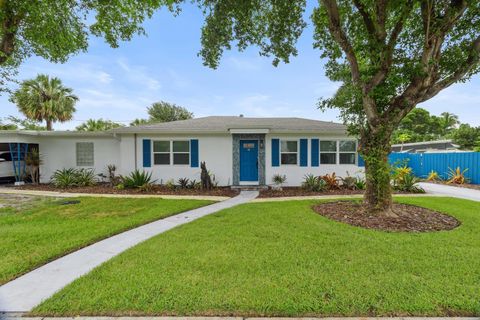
(423, 163)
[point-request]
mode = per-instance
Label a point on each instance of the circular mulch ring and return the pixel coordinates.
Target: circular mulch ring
(409, 218)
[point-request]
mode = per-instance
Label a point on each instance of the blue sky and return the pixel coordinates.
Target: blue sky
(118, 84)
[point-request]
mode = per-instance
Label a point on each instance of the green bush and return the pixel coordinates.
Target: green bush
(72, 177)
(64, 178)
(313, 183)
(85, 177)
(407, 182)
(138, 179)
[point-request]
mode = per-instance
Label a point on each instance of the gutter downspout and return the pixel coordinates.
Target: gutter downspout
(135, 144)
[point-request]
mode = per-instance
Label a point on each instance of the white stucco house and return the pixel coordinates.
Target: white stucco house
(237, 150)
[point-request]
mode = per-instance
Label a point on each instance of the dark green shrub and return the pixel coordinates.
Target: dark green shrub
(183, 183)
(64, 178)
(85, 177)
(313, 183)
(138, 179)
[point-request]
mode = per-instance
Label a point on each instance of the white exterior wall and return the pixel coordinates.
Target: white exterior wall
(215, 150)
(60, 153)
(296, 173)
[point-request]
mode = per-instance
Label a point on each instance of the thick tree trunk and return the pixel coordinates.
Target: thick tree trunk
(375, 148)
(49, 125)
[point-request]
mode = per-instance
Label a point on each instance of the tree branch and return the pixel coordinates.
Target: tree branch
(472, 60)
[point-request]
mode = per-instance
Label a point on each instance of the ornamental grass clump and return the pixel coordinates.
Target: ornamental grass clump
(457, 176)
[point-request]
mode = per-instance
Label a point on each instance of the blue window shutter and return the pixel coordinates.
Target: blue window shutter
(147, 153)
(361, 162)
(315, 153)
(194, 153)
(303, 152)
(275, 152)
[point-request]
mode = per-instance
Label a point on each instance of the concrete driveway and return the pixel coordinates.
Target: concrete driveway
(449, 191)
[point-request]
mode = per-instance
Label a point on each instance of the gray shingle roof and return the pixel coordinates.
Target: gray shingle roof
(222, 124)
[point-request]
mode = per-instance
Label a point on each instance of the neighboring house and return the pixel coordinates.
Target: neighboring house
(427, 147)
(237, 150)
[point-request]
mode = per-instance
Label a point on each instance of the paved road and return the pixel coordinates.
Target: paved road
(449, 191)
(29, 290)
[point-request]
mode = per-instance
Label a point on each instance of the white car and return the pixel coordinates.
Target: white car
(6, 165)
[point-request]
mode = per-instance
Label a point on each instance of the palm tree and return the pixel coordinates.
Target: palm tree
(98, 125)
(448, 121)
(45, 99)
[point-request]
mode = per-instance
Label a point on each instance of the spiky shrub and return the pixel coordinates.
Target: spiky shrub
(85, 177)
(409, 183)
(399, 173)
(433, 176)
(360, 183)
(138, 179)
(313, 183)
(457, 176)
(170, 184)
(331, 180)
(64, 178)
(279, 179)
(183, 183)
(348, 182)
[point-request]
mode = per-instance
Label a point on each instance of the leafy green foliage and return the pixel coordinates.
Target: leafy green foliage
(314, 183)
(467, 137)
(165, 112)
(404, 180)
(279, 179)
(72, 177)
(57, 29)
(45, 99)
(98, 125)
(25, 124)
(138, 179)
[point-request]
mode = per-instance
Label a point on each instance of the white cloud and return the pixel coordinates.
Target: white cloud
(244, 64)
(138, 75)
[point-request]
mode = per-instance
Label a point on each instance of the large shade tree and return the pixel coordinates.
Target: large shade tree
(389, 56)
(56, 29)
(165, 112)
(45, 99)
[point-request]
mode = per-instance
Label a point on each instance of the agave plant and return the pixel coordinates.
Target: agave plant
(64, 178)
(85, 177)
(433, 176)
(138, 179)
(457, 176)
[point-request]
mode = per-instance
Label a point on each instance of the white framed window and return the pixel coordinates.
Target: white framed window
(347, 151)
(166, 152)
(328, 152)
(161, 152)
(289, 152)
(84, 154)
(181, 152)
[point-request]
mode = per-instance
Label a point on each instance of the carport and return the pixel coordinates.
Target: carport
(14, 147)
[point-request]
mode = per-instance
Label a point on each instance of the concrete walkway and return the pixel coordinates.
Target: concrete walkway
(449, 191)
(29, 290)
(58, 194)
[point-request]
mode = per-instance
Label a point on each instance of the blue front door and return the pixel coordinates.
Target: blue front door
(248, 160)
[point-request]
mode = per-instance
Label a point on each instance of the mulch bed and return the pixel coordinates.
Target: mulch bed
(410, 218)
(156, 189)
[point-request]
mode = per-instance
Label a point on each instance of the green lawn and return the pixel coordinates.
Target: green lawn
(35, 234)
(282, 259)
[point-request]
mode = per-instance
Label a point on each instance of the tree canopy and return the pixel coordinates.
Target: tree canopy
(98, 125)
(165, 112)
(389, 56)
(45, 99)
(57, 29)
